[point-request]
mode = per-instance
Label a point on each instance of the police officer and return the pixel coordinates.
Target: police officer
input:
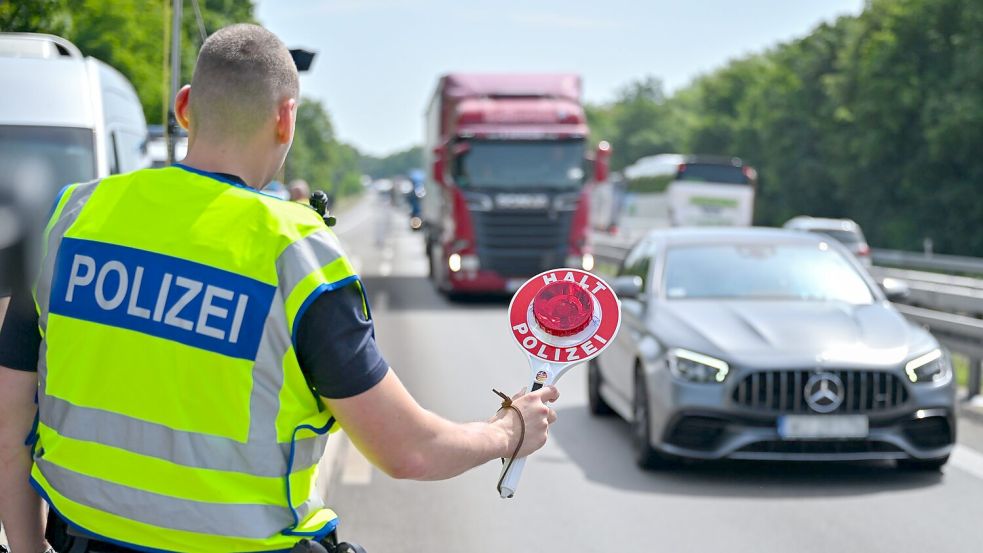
(190, 343)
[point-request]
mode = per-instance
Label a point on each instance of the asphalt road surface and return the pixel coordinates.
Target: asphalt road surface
(582, 492)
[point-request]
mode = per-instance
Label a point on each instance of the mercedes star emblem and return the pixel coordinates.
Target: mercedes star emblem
(824, 392)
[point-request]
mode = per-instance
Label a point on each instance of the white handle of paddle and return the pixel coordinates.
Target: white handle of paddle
(510, 480)
(512, 476)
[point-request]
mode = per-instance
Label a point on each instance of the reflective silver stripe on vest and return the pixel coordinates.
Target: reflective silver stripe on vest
(183, 448)
(305, 256)
(225, 519)
(80, 194)
(264, 398)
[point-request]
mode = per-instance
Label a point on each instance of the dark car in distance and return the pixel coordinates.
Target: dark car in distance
(769, 344)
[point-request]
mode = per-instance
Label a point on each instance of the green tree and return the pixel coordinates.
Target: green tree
(877, 117)
(318, 157)
(640, 120)
(398, 163)
(127, 34)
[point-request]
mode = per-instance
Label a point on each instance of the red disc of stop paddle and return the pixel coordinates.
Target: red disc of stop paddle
(564, 316)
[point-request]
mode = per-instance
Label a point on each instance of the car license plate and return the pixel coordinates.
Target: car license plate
(801, 427)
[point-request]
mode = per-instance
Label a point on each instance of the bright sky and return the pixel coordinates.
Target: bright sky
(379, 60)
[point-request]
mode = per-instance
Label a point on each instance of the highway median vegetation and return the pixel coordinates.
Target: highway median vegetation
(877, 117)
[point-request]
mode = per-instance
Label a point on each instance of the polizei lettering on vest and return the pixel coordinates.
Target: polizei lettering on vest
(110, 293)
(155, 294)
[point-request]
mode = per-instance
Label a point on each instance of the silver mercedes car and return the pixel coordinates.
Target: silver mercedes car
(769, 344)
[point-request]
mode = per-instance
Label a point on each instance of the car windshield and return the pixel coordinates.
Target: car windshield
(763, 271)
(55, 156)
(514, 164)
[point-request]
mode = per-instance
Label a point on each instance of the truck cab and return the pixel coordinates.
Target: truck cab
(506, 195)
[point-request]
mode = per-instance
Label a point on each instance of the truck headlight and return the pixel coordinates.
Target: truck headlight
(696, 367)
(585, 261)
(932, 366)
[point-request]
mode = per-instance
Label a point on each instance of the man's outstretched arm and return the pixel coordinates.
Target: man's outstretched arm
(21, 510)
(407, 441)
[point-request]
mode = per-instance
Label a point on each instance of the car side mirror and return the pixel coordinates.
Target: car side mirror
(895, 289)
(627, 287)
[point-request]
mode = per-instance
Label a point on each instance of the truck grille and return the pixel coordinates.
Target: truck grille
(784, 391)
(521, 243)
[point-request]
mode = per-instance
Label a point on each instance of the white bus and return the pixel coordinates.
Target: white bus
(695, 190)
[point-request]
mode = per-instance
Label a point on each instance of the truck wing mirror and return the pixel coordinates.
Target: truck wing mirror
(439, 165)
(602, 161)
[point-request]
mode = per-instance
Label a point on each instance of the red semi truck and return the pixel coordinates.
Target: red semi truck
(509, 165)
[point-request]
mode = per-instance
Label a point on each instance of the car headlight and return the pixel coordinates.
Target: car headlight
(930, 367)
(696, 367)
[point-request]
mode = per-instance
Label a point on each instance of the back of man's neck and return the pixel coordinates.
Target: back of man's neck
(220, 164)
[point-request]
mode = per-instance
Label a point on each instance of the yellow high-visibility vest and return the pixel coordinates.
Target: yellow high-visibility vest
(173, 414)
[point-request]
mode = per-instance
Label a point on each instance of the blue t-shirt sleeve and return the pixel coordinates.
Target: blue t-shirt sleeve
(336, 345)
(20, 338)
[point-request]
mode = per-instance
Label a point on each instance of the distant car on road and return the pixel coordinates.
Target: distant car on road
(845, 231)
(772, 345)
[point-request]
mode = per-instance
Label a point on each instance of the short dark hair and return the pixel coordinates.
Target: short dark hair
(243, 72)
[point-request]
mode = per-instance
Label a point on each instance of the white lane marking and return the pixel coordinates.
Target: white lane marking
(357, 470)
(967, 460)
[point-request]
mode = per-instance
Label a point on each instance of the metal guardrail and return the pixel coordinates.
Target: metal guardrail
(951, 294)
(609, 249)
(929, 262)
(949, 306)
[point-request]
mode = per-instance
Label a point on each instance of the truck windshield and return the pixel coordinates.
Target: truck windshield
(55, 156)
(514, 164)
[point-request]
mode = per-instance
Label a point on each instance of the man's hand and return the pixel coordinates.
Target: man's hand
(536, 414)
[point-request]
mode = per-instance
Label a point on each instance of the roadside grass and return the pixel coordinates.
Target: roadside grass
(605, 269)
(960, 365)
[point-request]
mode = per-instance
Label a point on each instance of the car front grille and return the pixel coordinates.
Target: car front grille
(784, 391)
(521, 243)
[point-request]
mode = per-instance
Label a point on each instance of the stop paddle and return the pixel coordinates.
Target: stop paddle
(560, 318)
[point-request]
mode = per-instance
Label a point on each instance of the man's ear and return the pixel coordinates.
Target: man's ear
(181, 102)
(286, 115)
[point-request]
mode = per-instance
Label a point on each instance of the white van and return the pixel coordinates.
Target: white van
(65, 118)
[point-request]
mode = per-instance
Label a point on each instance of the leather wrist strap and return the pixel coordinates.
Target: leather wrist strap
(507, 404)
